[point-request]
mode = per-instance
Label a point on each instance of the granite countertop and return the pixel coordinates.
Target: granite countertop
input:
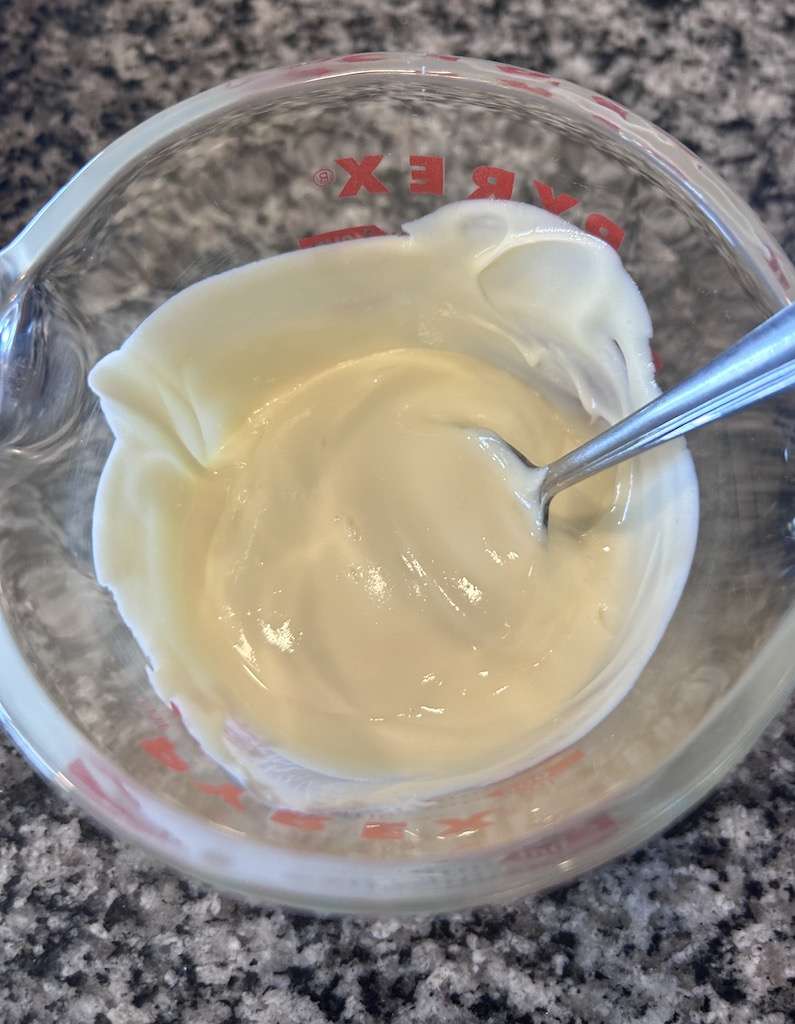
(697, 926)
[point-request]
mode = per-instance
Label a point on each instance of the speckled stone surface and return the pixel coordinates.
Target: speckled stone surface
(698, 926)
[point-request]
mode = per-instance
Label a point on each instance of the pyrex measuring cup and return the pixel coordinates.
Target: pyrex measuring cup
(346, 148)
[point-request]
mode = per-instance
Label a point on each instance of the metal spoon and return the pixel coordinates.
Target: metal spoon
(760, 365)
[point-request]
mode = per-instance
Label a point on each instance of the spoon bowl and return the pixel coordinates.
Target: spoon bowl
(759, 365)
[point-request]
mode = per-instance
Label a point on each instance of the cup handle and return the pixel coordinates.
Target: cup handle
(43, 389)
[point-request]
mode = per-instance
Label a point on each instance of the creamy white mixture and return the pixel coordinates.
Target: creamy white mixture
(335, 577)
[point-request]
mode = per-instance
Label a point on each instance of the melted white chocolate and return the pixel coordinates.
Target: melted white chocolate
(333, 574)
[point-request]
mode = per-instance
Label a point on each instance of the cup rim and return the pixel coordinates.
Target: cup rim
(731, 216)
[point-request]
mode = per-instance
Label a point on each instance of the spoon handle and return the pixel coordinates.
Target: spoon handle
(760, 365)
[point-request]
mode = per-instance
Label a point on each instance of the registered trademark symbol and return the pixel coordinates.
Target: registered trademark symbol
(323, 177)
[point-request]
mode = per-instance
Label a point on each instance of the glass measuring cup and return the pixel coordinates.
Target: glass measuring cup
(346, 148)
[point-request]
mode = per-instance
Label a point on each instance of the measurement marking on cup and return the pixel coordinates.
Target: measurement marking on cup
(774, 264)
(427, 174)
(608, 104)
(537, 90)
(297, 819)
(540, 775)
(512, 69)
(384, 830)
(460, 827)
(162, 749)
(227, 791)
(362, 58)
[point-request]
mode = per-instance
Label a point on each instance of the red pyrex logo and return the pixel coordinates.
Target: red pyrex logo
(426, 176)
